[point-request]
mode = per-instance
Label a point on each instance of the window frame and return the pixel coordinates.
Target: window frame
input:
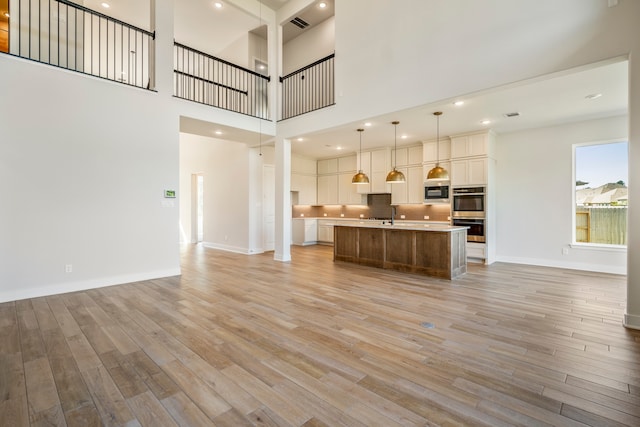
(588, 245)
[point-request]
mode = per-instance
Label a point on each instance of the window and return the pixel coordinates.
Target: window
(601, 194)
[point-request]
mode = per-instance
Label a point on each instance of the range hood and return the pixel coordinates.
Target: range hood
(379, 205)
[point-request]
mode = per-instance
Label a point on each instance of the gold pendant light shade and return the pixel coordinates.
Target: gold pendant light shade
(360, 177)
(395, 176)
(438, 173)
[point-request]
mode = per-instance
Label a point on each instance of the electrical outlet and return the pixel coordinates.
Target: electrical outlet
(226, 238)
(565, 251)
(426, 217)
(68, 268)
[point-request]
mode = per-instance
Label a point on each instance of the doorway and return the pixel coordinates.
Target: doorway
(197, 208)
(268, 207)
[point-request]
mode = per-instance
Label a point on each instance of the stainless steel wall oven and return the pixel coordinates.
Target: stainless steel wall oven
(468, 202)
(475, 230)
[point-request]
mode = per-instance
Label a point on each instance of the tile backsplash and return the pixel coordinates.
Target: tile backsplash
(411, 212)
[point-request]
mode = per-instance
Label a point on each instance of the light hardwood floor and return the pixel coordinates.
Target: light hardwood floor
(244, 340)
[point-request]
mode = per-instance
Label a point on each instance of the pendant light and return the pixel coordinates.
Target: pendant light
(395, 176)
(360, 177)
(438, 173)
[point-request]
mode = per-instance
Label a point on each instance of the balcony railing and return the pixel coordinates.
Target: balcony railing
(309, 88)
(203, 78)
(70, 36)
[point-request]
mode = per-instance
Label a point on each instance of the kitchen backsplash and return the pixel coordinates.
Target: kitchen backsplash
(411, 212)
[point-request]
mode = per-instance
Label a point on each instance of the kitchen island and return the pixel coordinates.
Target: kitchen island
(433, 250)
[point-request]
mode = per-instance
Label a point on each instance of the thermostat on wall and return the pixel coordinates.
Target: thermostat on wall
(169, 194)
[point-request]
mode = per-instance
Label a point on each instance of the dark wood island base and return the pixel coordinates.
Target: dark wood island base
(438, 252)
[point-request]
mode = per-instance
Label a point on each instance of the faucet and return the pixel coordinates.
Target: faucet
(393, 214)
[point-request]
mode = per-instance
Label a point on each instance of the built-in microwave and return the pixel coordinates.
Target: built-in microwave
(436, 192)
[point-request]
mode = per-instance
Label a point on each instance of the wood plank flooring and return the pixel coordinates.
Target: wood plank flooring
(246, 341)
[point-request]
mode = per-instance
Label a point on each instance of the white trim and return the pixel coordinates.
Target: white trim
(631, 321)
(281, 257)
(598, 247)
(233, 249)
(600, 268)
(63, 288)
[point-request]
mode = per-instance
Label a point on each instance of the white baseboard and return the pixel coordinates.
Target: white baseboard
(83, 285)
(234, 249)
(282, 258)
(600, 268)
(631, 321)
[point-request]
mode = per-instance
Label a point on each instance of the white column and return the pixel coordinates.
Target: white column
(162, 55)
(632, 316)
(283, 200)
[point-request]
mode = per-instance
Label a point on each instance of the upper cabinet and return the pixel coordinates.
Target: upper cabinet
(430, 152)
(304, 180)
(471, 145)
(470, 154)
(334, 181)
(376, 164)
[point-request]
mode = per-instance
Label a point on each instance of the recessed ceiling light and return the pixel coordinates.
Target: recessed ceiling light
(593, 96)
(322, 5)
(458, 103)
(218, 5)
(368, 124)
(105, 5)
(300, 139)
(338, 148)
(485, 122)
(404, 137)
(218, 132)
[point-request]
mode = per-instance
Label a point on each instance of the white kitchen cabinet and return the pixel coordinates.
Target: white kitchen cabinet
(347, 164)
(470, 145)
(380, 167)
(476, 250)
(415, 185)
(399, 157)
(304, 231)
(411, 190)
(430, 152)
(328, 190)
(327, 166)
(471, 171)
(306, 186)
(364, 162)
(325, 231)
(347, 191)
(303, 165)
(414, 155)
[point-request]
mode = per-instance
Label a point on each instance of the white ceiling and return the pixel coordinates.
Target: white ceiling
(543, 102)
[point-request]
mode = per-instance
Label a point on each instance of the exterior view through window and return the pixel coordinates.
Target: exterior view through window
(601, 176)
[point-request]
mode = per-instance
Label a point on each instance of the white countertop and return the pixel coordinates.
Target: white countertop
(401, 226)
(406, 222)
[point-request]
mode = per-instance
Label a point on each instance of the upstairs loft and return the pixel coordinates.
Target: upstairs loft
(63, 34)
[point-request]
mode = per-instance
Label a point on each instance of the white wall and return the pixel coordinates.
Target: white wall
(311, 45)
(83, 186)
(534, 196)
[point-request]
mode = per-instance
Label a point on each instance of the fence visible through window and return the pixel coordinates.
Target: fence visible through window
(309, 88)
(67, 35)
(602, 224)
(203, 78)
